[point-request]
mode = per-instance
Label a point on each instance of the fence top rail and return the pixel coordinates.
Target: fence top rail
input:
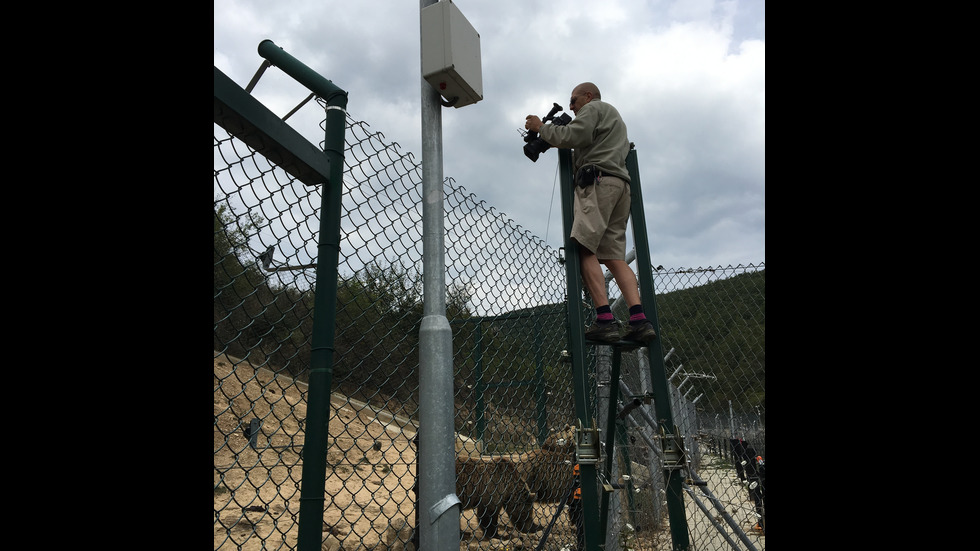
(309, 78)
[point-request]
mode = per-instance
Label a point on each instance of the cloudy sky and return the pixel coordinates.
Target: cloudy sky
(688, 77)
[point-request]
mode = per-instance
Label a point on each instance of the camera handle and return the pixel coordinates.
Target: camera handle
(551, 114)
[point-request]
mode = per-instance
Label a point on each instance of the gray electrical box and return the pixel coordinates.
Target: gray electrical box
(451, 54)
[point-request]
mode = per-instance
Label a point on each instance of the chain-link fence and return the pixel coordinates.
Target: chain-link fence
(513, 389)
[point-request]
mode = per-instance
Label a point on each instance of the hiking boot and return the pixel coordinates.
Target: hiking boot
(603, 332)
(642, 332)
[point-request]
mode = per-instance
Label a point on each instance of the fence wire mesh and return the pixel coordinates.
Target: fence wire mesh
(513, 389)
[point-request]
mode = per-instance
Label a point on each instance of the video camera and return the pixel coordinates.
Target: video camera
(534, 145)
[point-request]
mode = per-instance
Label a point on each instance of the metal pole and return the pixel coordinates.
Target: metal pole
(662, 402)
(731, 418)
(311, 505)
(609, 509)
(711, 518)
(721, 510)
(438, 506)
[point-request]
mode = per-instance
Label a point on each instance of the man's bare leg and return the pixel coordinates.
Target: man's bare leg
(603, 329)
(626, 280)
(595, 282)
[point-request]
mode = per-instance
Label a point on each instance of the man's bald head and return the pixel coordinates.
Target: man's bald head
(588, 87)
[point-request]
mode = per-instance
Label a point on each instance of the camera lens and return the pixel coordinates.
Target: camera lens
(535, 148)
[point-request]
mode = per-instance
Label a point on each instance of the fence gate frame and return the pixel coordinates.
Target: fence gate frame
(247, 119)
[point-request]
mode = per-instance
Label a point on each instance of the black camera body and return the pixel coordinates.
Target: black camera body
(534, 145)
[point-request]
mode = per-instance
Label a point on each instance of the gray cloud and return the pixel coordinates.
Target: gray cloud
(687, 76)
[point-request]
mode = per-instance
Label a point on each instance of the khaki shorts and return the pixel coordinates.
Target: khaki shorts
(601, 213)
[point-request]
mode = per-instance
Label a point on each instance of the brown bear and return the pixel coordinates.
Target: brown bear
(488, 484)
(549, 470)
(515, 482)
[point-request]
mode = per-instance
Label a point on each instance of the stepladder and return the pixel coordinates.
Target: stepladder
(598, 437)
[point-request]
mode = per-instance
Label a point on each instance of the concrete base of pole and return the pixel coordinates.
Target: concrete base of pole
(438, 506)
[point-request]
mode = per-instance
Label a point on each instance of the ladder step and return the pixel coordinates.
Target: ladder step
(621, 344)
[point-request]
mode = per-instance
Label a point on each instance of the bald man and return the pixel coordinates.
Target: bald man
(599, 143)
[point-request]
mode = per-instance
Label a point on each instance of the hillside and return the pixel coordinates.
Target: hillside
(370, 460)
(720, 329)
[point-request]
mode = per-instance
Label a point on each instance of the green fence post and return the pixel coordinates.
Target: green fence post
(658, 377)
(540, 393)
(325, 299)
(576, 340)
(479, 385)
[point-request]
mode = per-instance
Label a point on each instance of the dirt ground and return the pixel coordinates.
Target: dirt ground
(370, 473)
(370, 470)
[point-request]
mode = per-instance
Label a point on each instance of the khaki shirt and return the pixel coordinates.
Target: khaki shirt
(597, 135)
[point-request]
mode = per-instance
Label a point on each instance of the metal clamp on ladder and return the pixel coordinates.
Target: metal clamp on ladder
(586, 445)
(673, 448)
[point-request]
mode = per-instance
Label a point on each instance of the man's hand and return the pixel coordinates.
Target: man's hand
(533, 123)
